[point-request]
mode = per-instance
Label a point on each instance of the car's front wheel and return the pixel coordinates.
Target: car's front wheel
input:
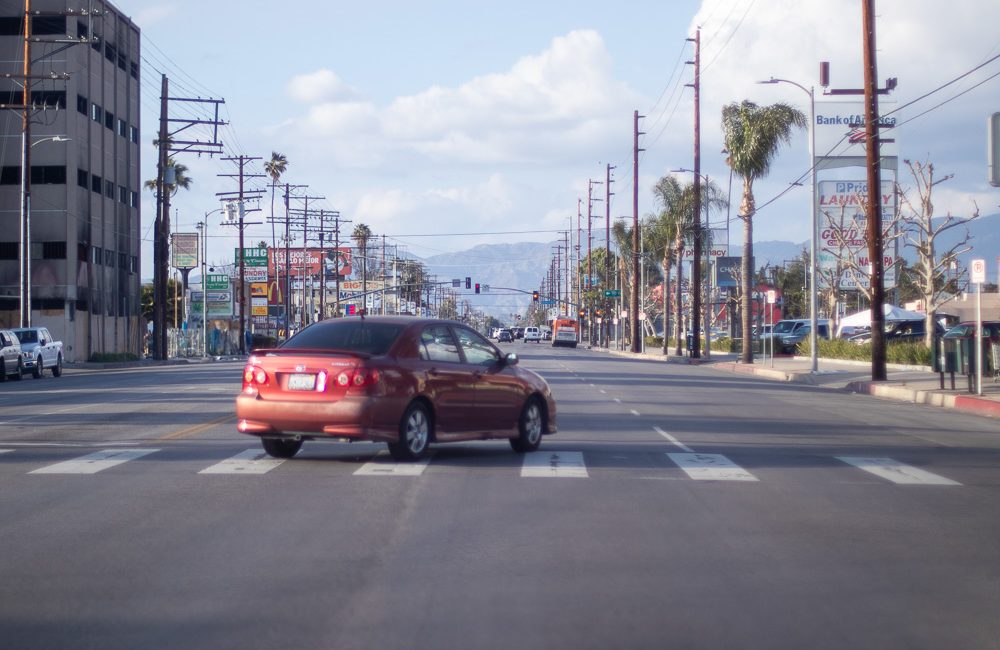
(20, 371)
(57, 369)
(529, 428)
(281, 447)
(414, 434)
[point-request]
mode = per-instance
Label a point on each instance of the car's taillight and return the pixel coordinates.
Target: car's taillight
(253, 378)
(357, 378)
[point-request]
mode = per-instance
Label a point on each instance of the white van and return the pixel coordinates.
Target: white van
(532, 334)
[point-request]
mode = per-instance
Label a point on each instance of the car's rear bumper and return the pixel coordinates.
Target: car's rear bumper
(352, 418)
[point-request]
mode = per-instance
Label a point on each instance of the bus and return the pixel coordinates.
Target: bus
(565, 331)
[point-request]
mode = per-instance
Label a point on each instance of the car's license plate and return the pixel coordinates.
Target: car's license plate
(300, 381)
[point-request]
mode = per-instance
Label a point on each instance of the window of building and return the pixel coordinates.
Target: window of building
(9, 250)
(49, 25)
(122, 61)
(122, 128)
(96, 113)
(133, 266)
(122, 261)
(109, 120)
(123, 194)
(96, 43)
(133, 134)
(10, 175)
(96, 254)
(134, 200)
(48, 174)
(110, 52)
(109, 189)
(54, 250)
(81, 29)
(81, 104)
(82, 178)
(109, 258)
(11, 25)
(134, 70)
(95, 183)
(49, 98)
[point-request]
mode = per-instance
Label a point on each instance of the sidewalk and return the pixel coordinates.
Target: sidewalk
(913, 384)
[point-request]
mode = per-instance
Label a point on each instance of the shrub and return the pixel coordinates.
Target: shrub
(906, 353)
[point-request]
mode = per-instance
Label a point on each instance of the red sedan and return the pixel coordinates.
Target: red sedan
(400, 380)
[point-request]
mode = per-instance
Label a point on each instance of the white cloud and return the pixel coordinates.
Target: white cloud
(319, 87)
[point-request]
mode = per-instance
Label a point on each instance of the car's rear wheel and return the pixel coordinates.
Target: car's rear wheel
(530, 427)
(281, 447)
(414, 434)
(57, 370)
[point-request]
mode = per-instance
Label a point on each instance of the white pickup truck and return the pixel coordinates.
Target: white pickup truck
(39, 351)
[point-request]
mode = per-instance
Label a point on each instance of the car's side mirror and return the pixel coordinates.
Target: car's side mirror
(510, 359)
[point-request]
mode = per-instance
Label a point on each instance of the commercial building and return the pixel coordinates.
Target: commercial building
(84, 175)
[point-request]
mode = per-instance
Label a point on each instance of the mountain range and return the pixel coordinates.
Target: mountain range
(513, 270)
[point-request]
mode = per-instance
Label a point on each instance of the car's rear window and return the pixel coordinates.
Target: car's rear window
(353, 335)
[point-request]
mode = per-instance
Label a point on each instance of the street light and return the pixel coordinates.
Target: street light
(813, 325)
(203, 226)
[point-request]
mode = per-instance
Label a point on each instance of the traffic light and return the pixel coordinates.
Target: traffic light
(534, 296)
(468, 283)
(477, 287)
(582, 313)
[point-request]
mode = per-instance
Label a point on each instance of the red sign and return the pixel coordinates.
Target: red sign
(309, 261)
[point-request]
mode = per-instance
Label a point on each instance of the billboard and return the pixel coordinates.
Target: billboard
(843, 232)
(184, 250)
(309, 261)
(840, 130)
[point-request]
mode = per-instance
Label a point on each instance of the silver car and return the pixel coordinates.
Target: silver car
(10, 356)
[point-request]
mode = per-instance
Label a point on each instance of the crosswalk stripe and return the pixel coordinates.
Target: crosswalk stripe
(95, 462)
(382, 466)
(711, 467)
(559, 464)
(895, 471)
(251, 461)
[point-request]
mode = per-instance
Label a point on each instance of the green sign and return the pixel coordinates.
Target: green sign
(612, 293)
(251, 256)
(217, 282)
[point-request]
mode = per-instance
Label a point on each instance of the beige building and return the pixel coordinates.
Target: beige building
(85, 177)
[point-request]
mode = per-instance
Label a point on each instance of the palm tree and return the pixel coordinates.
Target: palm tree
(361, 234)
(274, 168)
(752, 135)
(181, 178)
(622, 235)
(669, 196)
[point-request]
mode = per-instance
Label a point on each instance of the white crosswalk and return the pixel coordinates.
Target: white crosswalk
(540, 464)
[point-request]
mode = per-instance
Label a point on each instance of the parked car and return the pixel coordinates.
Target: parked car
(39, 351)
(532, 334)
(505, 336)
(787, 334)
(400, 380)
(517, 332)
(11, 362)
(899, 331)
(991, 331)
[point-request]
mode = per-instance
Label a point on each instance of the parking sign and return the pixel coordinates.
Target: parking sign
(977, 271)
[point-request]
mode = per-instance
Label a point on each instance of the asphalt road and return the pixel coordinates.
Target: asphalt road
(677, 507)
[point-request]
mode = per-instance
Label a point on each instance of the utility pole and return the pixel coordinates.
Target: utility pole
(579, 251)
(874, 207)
(607, 251)
(634, 311)
(696, 209)
(166, 142)
(287, 295)
(242, 161)
(590, 261)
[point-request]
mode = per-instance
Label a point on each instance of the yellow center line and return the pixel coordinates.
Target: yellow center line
(197, 428)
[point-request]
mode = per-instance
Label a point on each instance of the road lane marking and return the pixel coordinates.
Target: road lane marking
(197, 428)
(603, 392)
(895, 471)
(711, 467)
(634, 412)
(618, 400)
(95, 462)
(673, 440)
(251, 461)
(556, 464)
(383, 466)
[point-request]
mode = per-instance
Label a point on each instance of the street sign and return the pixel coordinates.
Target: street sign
(612, 293)
(217, 281)
(546, 301)
(977, 272)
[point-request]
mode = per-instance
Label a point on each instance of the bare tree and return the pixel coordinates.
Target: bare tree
(921, 233)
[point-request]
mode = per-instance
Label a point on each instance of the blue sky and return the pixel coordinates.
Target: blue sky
(464, 117)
